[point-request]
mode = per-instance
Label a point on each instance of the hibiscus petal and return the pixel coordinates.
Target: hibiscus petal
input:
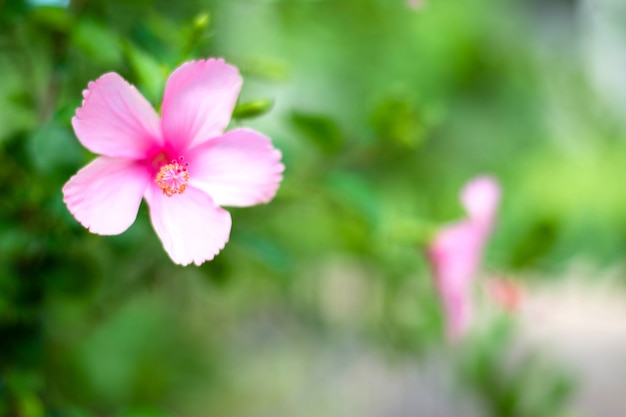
(191, 227)
(456, 251)
(199, 100)
(455, 255)
(481, 197)
(116, 120)
(240, 168)
(105, 195)
(459, 310)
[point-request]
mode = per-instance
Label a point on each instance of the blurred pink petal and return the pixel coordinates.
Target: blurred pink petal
(165, 158)
(456, 251)
(240, 168)
(192, 229)
(199, 99)
(115, 119)
(454, 257)
(506, 293)
(105, 195)
(480, 198)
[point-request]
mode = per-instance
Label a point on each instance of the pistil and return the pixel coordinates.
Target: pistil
(173, 177)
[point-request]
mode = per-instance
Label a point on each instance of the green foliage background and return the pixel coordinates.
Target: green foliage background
(382, 112)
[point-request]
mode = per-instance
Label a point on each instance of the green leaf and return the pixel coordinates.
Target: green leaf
(150, 74)
(254, 108)
(53, 146)
(320, 130)
(355, 194)
(398, 120)
(17, 110)
(97, 42)
(195, 33)
(57, 18)
(30, 405)
(267, 68)
(202, 21)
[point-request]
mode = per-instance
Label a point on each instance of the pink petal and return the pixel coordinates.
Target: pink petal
(480, 198)
(116, 120)
(191, 227)
(456, 252)
(506, 293)
(105, 195)
(240, 168)
(199, 100)
(454, 256)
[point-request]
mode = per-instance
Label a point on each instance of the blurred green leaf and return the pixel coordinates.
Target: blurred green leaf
(399, 121)
(411, 231)
(53, 147)
(56, 18)
(195, 32)
(202, 21)
(17, 110)
(267, 68)
(321, 131)
(355, 194)
(30, 405)
(150, 74)
(12, 9)
(98, 42)
(266, 251)
(254, 108)
(534, 243)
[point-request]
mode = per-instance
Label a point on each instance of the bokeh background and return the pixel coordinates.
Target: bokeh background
(322, 303)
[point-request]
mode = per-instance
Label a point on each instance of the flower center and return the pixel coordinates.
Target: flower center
(173, 177)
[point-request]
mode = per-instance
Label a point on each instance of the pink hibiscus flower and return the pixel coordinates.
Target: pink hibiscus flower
(181, 163)
(507, 294)
(456, 251)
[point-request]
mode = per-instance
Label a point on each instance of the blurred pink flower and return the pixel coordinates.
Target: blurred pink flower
(506, 293)
(181, 163)
(456, 251)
